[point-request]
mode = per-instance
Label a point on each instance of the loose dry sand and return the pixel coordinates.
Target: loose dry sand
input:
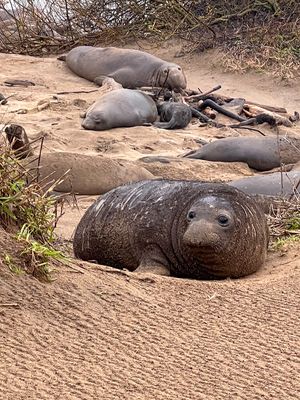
(101, 334)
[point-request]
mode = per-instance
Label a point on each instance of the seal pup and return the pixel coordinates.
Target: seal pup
(260, 153)
(130, 68)
(173, 115)
(18, 140)
(275, 184)
(120, 107)
(179, 228)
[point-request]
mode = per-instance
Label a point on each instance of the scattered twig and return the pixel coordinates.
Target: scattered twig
(18, 82)
(10, 305)
(77, 91)
(202, 96)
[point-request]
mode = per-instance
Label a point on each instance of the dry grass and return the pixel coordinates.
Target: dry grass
(260, 34)
(28, 217)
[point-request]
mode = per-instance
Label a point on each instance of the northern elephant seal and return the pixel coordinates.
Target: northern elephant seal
(130, 68)
(180, 228)
(173, 115)
(120, 107)
(260, 153)
(85, 174)
(275, 184)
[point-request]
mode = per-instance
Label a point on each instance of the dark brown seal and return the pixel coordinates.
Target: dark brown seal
(183, 228)
(18, 140)
(130, 68)
(173, 115)
(260, 153)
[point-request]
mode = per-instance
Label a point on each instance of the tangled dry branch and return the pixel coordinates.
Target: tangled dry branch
(258, 33)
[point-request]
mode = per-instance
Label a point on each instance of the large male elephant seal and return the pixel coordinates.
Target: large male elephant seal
(173, 115)
(180, 228)
(85, 174)
(260, 153)
(120, 107)
(276, 184)
(130, 68)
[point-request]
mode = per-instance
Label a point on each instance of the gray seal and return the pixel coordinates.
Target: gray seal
(179, 228)
(130, 68)
(120, 108)
(173, 115)
(275, 184)
(260, 153)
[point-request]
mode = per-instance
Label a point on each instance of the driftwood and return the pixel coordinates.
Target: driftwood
(280, 110)
(209, 113)
(18, 82)
(3, 99)
(221, 98)
(202, 96)
(253, 111)
(220, 109)
(78, 91)
(203, 118)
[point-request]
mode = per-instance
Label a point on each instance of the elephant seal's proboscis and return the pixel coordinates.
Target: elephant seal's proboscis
(179, 228)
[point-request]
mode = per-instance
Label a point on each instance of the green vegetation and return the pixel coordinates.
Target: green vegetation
(27, 220)
(285, 225)
(252, 34)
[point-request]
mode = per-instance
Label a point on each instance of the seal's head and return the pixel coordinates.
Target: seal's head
(224, 235)
(172, 77)
(95, 121)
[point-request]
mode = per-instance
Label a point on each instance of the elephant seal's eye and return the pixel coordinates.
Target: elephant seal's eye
(191, 215)
(223, 220)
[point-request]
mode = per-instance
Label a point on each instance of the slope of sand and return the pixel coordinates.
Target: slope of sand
(101, 334)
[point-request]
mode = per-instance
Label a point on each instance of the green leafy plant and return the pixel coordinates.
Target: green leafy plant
(29, 216)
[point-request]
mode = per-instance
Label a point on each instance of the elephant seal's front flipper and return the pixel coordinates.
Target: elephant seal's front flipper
(154, 262)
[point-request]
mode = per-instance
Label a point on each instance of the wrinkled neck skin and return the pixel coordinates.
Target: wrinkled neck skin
(202, 263)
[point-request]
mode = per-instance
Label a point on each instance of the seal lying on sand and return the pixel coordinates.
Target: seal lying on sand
(275, 184)
(130, 68)
(173, 115)
(87, 174)
(180, 228)
(120, 107)
(260, 153)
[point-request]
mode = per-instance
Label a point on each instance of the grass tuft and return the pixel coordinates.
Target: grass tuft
(28, 217)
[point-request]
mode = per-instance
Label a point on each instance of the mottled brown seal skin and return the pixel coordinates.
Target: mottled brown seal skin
(130, 68)
(260, 153)
(179, 228)
(18, 140)
(120, 108)
(173, 115)
(85, 174)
